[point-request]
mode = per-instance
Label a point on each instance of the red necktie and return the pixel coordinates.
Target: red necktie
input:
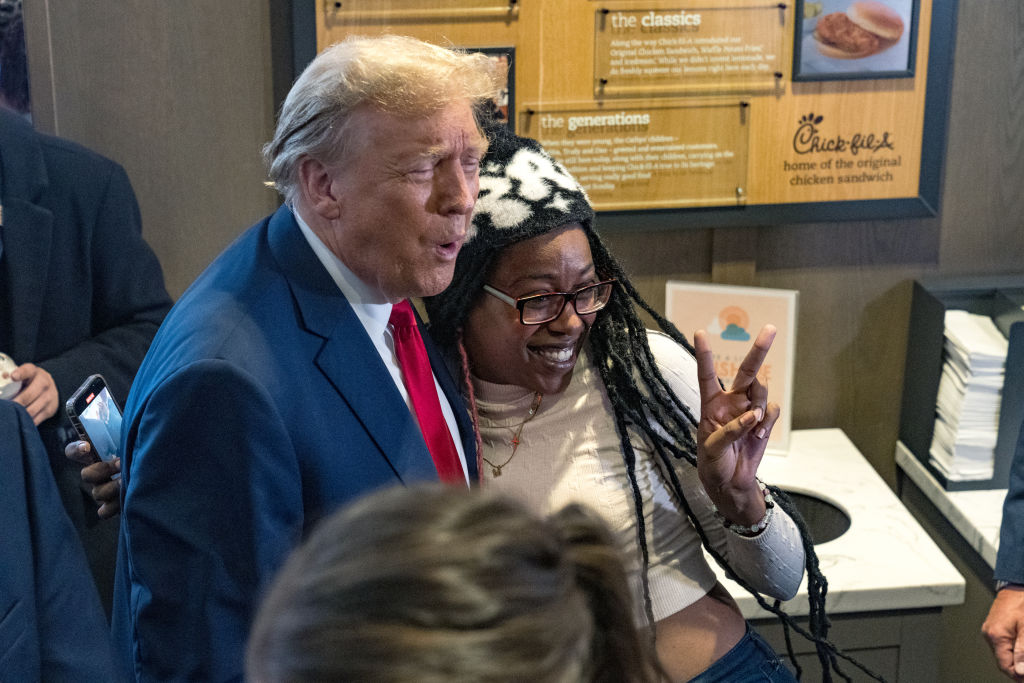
(419, 381)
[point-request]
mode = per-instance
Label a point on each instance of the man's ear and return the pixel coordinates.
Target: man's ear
(317, 185)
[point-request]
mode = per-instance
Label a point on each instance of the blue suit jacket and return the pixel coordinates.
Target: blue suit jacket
(1010, 559)
(52, 627)
(261, 407)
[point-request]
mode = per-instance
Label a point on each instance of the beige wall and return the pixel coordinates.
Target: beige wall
(180, 93)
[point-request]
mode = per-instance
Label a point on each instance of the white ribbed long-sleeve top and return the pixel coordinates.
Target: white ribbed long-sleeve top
(570, 452)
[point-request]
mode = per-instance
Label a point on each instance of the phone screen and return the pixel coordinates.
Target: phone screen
(101, 420)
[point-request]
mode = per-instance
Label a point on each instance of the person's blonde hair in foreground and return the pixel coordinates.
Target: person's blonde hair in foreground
(443, 584)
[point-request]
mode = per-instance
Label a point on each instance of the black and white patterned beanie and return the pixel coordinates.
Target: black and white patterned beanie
(523, 193)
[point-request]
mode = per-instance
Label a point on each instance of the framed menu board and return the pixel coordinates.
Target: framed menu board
(676, 114)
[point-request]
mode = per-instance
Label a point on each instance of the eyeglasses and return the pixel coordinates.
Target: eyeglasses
(537, 309)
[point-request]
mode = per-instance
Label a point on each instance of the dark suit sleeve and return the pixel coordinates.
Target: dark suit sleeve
(213, 504)
(52, 627)
(128, 297)
(1010, 559)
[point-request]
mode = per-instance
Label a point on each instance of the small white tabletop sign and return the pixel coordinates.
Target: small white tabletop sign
(732, 317)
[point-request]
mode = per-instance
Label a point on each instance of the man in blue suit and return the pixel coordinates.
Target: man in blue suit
(272, 394)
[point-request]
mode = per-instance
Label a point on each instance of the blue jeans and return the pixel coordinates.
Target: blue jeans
(751, 659)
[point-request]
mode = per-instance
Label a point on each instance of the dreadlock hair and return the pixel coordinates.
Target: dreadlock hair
(525, 193)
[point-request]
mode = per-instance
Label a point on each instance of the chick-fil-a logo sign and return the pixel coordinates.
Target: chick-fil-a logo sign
(809, 139)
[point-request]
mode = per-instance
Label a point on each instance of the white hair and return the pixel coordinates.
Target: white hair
(394, 74)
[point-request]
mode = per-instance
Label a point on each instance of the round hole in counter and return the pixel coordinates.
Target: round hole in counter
(826, 521)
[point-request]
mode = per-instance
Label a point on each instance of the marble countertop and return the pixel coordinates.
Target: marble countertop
(884, 561)
(975, 514)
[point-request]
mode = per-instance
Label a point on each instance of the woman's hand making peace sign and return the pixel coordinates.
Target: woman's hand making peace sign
(733, 430)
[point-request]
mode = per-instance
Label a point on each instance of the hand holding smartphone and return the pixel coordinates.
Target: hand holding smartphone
(96, 417)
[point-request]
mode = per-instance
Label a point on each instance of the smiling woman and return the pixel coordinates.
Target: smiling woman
(537, 355)
(575, 401)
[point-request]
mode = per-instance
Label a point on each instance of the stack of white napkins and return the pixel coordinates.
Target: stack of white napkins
(970, 391)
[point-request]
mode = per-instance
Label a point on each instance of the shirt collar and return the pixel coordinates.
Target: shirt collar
(369, 304)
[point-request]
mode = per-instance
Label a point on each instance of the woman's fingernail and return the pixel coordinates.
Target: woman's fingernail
(761, 433)
(759, 413)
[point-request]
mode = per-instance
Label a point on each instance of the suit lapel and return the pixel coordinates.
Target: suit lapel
(355, 368)
(348, 359)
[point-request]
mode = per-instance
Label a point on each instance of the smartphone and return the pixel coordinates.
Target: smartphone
(96, 417)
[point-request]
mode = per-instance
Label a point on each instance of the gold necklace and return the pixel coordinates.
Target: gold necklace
(496, 469)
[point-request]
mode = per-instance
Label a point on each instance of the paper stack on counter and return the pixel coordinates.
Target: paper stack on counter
(970, 391)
